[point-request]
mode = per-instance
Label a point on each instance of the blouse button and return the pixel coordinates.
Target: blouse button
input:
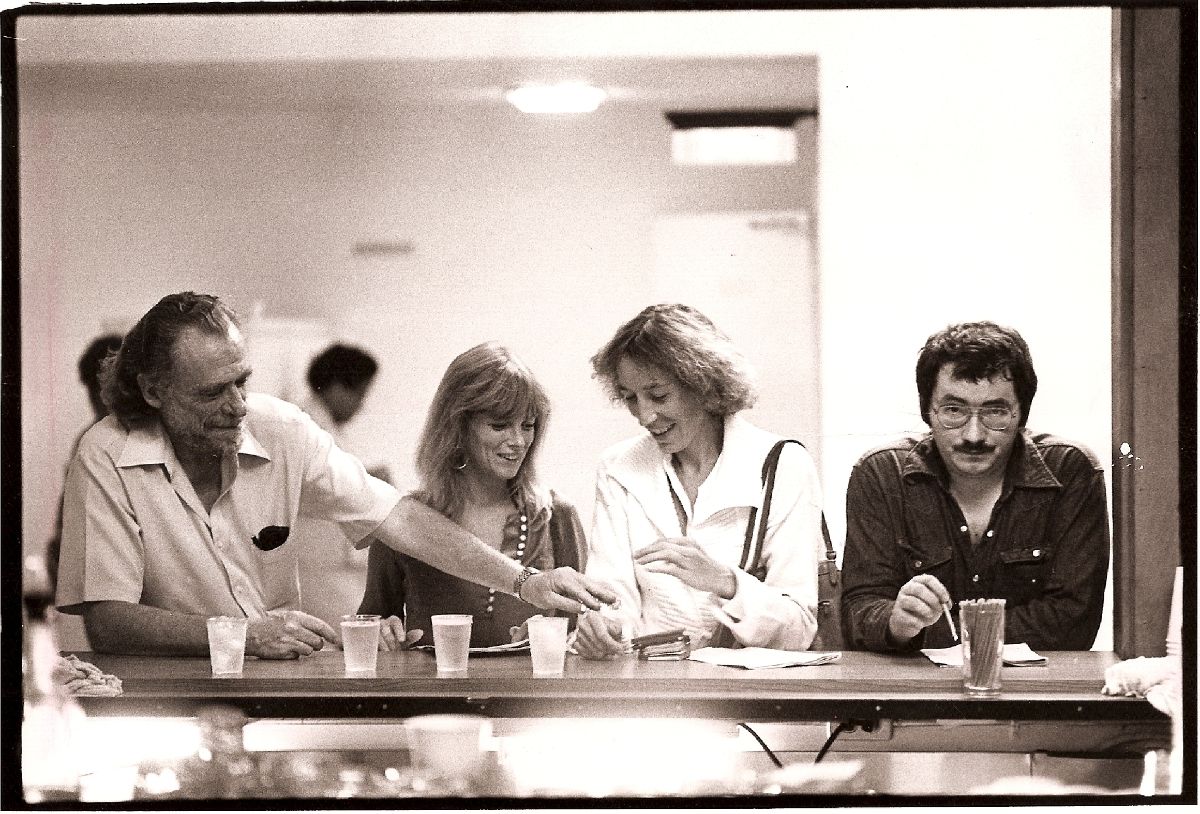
(975, 578)
(522, 538)
(962, 528)
(917, 563)
(991, 533)
(491, 592)
(524, 527)
(524, 519)
(1037, 552)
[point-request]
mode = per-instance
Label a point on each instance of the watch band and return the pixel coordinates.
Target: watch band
(519, 582)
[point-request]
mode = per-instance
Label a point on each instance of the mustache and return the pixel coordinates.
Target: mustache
(970, 448)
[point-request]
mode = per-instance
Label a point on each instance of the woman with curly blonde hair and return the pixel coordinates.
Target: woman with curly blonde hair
(673, 503)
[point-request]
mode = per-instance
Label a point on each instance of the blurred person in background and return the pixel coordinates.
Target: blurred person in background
(89, 376)
(477, 461)
(673, 503)
(332, 570)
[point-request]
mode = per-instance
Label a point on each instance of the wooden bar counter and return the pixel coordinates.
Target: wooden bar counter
(858, 686)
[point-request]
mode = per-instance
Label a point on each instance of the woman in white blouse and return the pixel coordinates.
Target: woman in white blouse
(673, 503)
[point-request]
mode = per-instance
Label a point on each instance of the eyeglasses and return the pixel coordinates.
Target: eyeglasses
(953, 416)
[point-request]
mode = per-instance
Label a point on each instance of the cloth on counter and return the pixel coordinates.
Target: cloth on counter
(758, 658)
(83, 678)
(1015, 655)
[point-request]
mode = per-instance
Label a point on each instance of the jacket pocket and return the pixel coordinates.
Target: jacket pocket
(919, 561)
(1023, 573)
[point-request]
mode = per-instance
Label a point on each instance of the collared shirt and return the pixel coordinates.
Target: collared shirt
(135, 531)
(634, 507)
(1045, 550)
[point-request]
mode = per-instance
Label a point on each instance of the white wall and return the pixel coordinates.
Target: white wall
(964, 174)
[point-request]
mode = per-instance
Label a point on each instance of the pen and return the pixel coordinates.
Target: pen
(949, 620)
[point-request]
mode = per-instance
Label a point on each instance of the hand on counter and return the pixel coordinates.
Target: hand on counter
(598, 636)
(393, 636)
(287, 635)
(565, 589)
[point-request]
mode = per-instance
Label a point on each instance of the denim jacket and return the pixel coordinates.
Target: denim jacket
(1045, 551)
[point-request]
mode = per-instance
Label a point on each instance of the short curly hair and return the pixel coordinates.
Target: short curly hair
(977, 351)
(349, 366)
(146, 349)
(679, 340)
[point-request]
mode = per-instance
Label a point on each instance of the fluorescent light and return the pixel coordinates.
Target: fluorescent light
(564, 97)
(734, 145)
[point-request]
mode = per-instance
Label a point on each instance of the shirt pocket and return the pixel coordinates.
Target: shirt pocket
(934, 561)
(1023, 573)
(277, 571)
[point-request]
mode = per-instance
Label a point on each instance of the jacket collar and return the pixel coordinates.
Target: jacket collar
(1027, 468)
(734, 481)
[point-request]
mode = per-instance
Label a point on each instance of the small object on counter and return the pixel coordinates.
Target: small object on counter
(671, 645)
(758, 658)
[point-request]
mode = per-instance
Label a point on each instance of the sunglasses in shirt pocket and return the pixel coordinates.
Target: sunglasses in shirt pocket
(270, 538)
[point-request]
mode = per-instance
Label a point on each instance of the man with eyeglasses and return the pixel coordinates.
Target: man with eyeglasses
(978, 507)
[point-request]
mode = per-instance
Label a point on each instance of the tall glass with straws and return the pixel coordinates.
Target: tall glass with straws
(982, 623)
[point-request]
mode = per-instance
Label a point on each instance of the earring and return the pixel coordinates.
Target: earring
(460, 467)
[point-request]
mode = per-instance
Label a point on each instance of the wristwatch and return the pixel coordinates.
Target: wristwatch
(519, 582)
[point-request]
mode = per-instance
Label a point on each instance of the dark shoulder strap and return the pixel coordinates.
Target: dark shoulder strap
(753, 545)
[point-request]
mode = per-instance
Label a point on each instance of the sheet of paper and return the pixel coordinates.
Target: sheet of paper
(1015, 655)
(758, 658)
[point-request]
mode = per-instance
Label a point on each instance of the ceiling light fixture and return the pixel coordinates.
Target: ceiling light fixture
(564, 97)
(735, 136)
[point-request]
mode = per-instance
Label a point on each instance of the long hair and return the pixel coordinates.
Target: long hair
(487, 379)
(146, 349)
(681, 341)
(977, 351)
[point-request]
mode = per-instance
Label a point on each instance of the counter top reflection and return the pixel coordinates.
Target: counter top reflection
(859, 685)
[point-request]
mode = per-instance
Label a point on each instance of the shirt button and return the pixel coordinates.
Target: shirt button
(491, 592)
(1037, 552)
(991, 533)
(975, 578)
(524, 519)
(962, 529)
(917, 563)
(522, 538)
(524, 527)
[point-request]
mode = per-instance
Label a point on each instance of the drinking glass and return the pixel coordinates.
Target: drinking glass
(982, 622)
(547, 644)
(451, 641)
(227, 644)
(360, 642)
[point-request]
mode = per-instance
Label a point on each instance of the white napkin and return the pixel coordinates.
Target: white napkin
(1015, 655)
(757, 658)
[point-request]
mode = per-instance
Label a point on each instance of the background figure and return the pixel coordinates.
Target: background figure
(673, 503)
(332, 570)
(89, 376)
(477, 462)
